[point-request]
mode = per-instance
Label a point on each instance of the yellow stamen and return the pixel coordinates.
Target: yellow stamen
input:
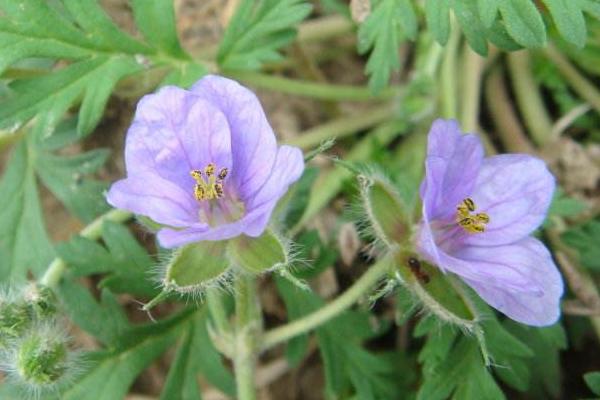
(471, 223)
(211, 187)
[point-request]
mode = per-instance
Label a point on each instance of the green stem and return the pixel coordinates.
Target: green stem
(217, 310)
(57, 267)
(314, 90)
(341, 127)
(248, 327)
(578, 82)
(473, 65)
(528, 96)
(449, 86)
(366, 282)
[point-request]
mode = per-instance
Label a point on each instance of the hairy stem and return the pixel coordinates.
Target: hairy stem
(57, 267)
(217, 311)
(528, 96)
(366, 282)
(248, 327)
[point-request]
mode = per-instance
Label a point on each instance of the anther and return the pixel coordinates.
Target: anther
(469, 222)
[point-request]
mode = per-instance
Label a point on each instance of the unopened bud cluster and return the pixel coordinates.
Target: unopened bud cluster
(33, 347)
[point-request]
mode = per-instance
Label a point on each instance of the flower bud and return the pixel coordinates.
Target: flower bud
(388, 216)
(258, 254)
(14, 319)
(196, 266)
(41, 301)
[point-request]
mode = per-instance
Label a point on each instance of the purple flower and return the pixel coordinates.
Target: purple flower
(204, 163)
(478, 215)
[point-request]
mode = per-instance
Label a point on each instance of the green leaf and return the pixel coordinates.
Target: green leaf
(156, 20)
(585, 239)
(523, 22)
(64, 176)
(488, 9)
(380, 33)
(258, 30)
(438, 21)
(257, 255)
(55, 93)
(592, 379)
(197, 266)
(111, 372)
(127, 264)
(467, 14)
(105, 320)
(24, 242)
(299, 195)
(196, 355)
(568, 18)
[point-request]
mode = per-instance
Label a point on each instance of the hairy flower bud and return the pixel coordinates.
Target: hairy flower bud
(41, 360)
(14, 319)
(41, 301)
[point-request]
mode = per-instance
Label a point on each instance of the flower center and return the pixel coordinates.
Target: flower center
(208, 185)
(472, 223)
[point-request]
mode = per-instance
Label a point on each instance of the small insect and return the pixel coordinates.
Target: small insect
(415, 267)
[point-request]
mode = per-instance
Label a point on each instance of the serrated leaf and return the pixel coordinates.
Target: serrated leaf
(258, 30)
(105, 320)
(24, 242)
(568, 18)
(438, 20)
(380, 32)
(127, 264)
(156, 20)
(110, 373)
(523, 22)
(65, 177)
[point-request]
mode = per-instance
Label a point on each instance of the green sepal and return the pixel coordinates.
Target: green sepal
(388, 216)
(437, 292)
(42, 359)
(258, 254)
(197, 266)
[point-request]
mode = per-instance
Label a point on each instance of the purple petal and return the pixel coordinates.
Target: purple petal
(170, 103)
(157, 198)
(172, 150)
(253, 141)
(529, 258)
(515, 190)
(451, 168)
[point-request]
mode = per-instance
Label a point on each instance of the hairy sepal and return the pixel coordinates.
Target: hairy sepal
(257, 255)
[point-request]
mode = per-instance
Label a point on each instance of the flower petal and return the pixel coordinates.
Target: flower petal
(529, 258)
(451, 168)
(172, 150)
(170, 103)
(154, 197)
(515, 190)
(253, 141)
(288, 168)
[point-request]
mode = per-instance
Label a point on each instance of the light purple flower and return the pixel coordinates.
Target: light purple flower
(478, 215)
(204, 163)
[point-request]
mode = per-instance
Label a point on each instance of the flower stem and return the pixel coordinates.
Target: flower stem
(366, 282)
(578, 82)
(448, 72)
(343, 126)
(57, 267)
(248, 327)
(314, 90)
(217, 311)
(472, 67)
(528, 97)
